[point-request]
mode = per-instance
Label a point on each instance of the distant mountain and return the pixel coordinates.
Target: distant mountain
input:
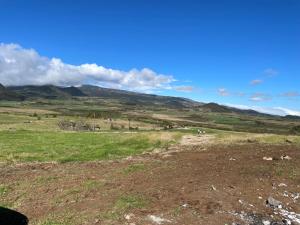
(72, 91)
(8, 95)
(46, 91)
(134, 98)
(125, 98)
(213, 107)
(290, 117)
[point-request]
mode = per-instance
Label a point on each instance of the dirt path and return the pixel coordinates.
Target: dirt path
(221, 185)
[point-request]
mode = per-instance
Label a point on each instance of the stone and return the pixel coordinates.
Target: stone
(273, 203)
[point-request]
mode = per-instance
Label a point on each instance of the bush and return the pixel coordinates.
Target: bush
(295, 129)
(113, 127)
(75, 125)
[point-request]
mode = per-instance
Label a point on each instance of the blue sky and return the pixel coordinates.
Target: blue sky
(237, 52)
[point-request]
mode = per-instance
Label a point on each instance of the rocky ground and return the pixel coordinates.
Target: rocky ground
(195, 182)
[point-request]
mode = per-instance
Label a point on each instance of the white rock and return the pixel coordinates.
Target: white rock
(274, 203)
(268, 158)
(128, 216)
(285, 157)
(266, 222)
(213, 188)
(158, 220)
(282, 185)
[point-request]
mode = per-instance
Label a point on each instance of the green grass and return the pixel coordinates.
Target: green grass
(123, 205)
(3, 190)
(22, 146)
(127, 202)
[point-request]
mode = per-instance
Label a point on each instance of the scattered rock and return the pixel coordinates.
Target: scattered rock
(157, 220)
(292, 217)
(129, 216)
(273, 203)
(266, 222)
(295, 196)
(285, 157)
(286, 222)
(268, 158)
(185, 205)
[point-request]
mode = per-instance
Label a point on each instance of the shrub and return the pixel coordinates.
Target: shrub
(295, 129)
(75, 125)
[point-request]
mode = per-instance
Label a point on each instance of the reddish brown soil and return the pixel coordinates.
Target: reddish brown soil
(188, 187)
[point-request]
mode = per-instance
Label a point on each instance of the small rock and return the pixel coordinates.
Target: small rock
(273, 203)
(282, 185)
(158, 220)
(285, 157)
(213, 188)
(128, 216)
(185, 205)
(286, 222)
(266, 222)
(268, 158)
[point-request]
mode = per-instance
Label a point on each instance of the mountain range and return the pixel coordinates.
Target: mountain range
(129, 98)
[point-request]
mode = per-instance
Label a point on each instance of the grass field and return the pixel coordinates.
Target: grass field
(23, 145)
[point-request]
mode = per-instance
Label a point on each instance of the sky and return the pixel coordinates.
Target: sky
(242, 53)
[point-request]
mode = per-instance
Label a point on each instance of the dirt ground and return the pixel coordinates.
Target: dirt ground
(196, 182)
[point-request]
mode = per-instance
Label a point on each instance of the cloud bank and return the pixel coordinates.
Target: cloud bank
(269, 110)
(20, 66)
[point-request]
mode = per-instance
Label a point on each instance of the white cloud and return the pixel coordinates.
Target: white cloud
(270, 72)
(260, 97)
(223, 92)
(184, 88)
(20, 66)
(256, 82)
(269, 110)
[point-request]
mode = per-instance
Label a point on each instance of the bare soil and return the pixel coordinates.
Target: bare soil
(187, 184)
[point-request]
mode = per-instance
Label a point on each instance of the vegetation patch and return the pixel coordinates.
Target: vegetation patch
(3, 190)
(123, 205)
